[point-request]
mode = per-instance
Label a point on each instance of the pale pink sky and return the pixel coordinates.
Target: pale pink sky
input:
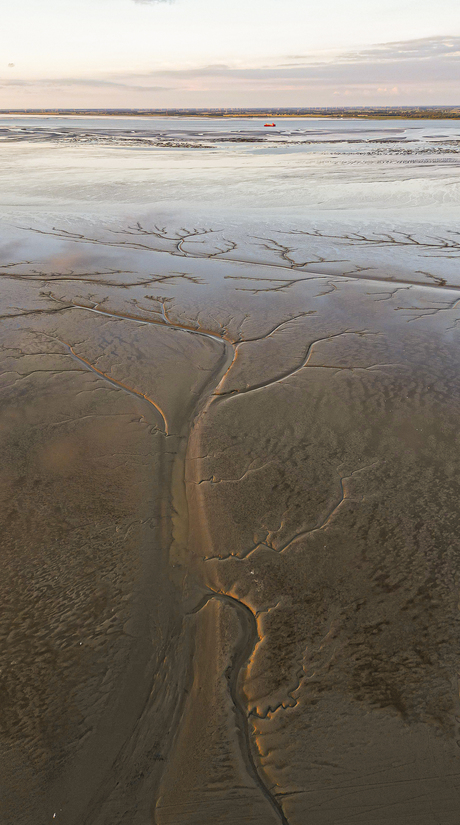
(122, 53)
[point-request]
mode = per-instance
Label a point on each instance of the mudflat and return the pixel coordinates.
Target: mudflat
(229, 475)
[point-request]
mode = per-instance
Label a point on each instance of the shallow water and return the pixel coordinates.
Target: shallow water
(229, 472)
(405, 184)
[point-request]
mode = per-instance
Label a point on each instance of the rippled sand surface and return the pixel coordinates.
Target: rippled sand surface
(229, 476)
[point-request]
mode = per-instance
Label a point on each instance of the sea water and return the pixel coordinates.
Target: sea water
(380, 195)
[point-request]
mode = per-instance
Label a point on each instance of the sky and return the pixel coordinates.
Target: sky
(222, 53)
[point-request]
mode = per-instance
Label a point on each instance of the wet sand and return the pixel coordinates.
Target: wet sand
(230, 525)
(230, 545)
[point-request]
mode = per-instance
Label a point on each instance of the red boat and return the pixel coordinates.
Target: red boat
(269, 124)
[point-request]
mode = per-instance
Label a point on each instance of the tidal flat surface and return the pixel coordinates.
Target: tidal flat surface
(229, 472)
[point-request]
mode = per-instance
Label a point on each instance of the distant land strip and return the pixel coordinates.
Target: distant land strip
(370, 112)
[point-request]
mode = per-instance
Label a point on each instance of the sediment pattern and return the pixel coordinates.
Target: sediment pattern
(230, 521)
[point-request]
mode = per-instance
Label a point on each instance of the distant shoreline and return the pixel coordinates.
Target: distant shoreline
(361, 113)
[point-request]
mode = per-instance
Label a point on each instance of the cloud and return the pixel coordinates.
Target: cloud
(59, 83)
(425, 48)
(433, 60)
(419, 70)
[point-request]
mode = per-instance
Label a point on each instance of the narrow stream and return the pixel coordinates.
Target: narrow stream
(179, 515)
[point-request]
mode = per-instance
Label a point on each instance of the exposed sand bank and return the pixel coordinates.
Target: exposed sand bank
(230, 545)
